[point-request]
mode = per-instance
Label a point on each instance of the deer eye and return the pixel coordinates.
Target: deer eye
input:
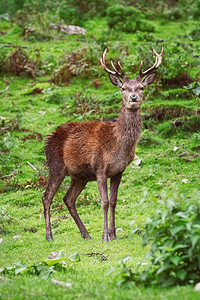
(123, 88)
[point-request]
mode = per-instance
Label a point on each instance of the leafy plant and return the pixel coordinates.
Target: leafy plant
(5, 219)
(194, 34)
(174, 234)
(194, 87)
(127, 18)
(81, 62)
(81, 104)
(44, 269)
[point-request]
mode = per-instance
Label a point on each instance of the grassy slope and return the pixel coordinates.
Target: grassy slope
(162, 170)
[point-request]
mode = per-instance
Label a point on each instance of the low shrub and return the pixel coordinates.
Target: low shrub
(173, 233)
(127, 19)
(82, 62)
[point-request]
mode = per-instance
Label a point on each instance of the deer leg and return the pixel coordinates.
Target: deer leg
(70, 198)
(114, 184)
(102, 186)
(52, 187)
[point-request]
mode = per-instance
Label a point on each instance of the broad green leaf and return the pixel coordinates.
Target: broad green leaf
(168, 282)
(163, 268)
(176, 229)
(74, 257)
(60, 254)
(181, 274)
(194, 239)
(44, 271)
(135, 230)
(175, 260)
(164, 214)
(182, 215)
(125, 259)
(196, 90)
(53, 262)
(132, 222)
(194, 276)
(170, 203)
(20, 267)
(143, 276)
(5, 17)
(9, 268)
(167, 246)
(179, 246)
(158, 258)
(110, 271)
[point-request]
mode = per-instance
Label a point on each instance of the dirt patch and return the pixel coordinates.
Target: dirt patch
(163, 113)
(178, 81)
(33, 136)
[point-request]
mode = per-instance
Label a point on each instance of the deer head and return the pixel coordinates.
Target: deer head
(132, 90)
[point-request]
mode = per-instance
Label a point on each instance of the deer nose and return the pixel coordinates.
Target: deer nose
(134, 98)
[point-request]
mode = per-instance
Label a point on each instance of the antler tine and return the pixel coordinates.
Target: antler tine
(121, 68)
(115, 72)
(155, 66)
(103, 62)
(114, 67)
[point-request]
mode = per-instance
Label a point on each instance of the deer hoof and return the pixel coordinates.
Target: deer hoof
(105, 237)
(85, 235)
(112, 236)
(49, 237)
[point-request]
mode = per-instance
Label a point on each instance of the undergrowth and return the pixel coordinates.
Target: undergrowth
(173, 234)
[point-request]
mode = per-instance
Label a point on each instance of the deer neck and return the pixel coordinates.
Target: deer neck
(129, 125)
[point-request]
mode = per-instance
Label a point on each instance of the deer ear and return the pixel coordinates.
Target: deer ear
(115, 80)
(149, 79)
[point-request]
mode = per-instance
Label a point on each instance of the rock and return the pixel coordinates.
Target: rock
(185, 180)
(119, 229)
(42, 112)
(197, 287)
(17, 237)
(183, 154)
(177, 123)
(61, 283)
(137, 162)
(69, 29)
(175, 148)
(52, 255)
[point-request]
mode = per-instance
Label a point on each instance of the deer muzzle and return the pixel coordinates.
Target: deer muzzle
(133, 98)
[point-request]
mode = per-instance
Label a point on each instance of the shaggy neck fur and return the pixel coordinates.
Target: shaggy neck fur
(129, 124)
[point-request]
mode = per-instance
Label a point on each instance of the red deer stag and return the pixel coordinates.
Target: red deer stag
(88, 151)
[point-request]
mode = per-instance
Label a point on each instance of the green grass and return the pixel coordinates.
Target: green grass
(162, 171)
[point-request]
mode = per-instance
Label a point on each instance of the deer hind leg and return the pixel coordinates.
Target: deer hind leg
(52, 187)
(114, 184)
(69, 199)
(102, 186)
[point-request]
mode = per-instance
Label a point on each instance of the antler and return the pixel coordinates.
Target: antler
(155, 66)
(118, 71)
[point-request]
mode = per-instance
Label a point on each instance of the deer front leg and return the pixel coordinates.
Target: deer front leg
(114, 184)
(102, 186)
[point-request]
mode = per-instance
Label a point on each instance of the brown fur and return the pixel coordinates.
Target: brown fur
(88, 151)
